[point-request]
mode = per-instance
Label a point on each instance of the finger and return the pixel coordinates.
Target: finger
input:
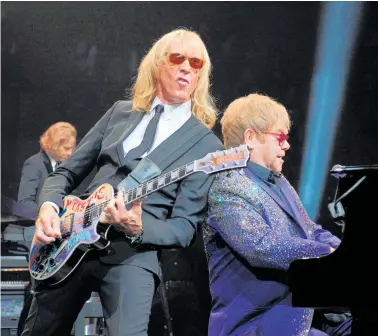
(104, 218)
(120, 195)
(111, 204)
(122, 211)
(41, 237)
(46, 226)
(137, 207)
(56, 227)
(113, 212)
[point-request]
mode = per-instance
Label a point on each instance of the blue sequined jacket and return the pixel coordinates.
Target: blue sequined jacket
(251, 236)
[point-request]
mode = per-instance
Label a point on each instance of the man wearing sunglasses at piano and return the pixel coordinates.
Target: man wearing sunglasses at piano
(169, 120)
(256, 227)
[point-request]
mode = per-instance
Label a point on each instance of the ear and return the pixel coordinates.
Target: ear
(250, 138)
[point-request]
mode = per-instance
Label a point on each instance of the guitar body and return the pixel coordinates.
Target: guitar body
(81, 233)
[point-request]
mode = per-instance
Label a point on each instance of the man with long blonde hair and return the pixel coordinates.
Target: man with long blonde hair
(256, 227)
(167, 122)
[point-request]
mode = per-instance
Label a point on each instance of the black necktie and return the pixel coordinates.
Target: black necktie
(149, 136)
(57, 164)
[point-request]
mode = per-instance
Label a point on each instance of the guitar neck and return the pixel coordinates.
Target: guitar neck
(157, 183)
(211, 163)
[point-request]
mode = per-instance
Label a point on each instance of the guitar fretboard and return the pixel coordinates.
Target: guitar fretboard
(157, 183)
(144, 189)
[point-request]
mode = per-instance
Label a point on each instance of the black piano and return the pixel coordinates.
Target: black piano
(345, 280)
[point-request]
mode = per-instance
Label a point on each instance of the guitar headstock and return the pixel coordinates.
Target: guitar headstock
(221, 160)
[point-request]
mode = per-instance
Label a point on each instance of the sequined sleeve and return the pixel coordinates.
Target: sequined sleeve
(244, 229)
(325, 236)
(320, 235)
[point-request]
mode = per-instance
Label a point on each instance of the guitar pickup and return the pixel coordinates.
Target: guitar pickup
(68, 225)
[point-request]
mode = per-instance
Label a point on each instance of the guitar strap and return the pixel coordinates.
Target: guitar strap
(152, 165)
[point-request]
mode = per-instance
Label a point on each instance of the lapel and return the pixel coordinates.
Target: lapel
(47, 163)
(161, 155)
(290, 199)
(132, 121)
(291, 209)
(271, 193)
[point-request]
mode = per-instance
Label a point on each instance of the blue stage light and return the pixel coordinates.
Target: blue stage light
(338, 30)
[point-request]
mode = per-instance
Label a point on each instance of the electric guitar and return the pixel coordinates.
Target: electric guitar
(79, 220)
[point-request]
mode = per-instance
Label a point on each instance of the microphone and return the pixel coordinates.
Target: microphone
(337, 168)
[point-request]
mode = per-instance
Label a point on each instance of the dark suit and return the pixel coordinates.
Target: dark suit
(34, 172)
(125, 277)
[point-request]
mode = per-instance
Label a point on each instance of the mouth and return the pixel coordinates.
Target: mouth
(182, 81)
(281, 158)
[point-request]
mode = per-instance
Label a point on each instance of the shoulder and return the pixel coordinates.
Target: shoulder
(234, 183)
(118, 112)
(34, 159)
(232, 180)
(209, 139)
(123, 106)
(120, 107)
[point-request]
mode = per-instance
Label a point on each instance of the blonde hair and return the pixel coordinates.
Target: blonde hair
(144, 88)
(255, 111)
(56, 135)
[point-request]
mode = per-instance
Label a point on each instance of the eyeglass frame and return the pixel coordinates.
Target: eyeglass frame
(281, 137)
(186, 58)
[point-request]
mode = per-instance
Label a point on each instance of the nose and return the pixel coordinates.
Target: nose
(285, 146)
(185, 66)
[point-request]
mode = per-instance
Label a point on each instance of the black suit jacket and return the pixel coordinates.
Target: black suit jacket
(170, 216)
(34, 172)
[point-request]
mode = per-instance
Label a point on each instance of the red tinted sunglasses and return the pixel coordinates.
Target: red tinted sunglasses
(195, 63)
(281, 137)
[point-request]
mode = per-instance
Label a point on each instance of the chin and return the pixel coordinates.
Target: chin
(182, 96)
(277, 169)
(177, 98)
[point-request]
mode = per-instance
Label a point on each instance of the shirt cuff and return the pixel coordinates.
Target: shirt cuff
(53, 204)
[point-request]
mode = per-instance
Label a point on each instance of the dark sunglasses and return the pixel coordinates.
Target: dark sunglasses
(281, 137)
(195, 63)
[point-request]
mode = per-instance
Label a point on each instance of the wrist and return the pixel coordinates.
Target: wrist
(135, 239)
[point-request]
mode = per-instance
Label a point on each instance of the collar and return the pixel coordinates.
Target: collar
(170, 111)
(263, 173)
(53, 162)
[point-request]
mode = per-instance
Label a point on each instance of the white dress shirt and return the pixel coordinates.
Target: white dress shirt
(53, 162)
(173, 117)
